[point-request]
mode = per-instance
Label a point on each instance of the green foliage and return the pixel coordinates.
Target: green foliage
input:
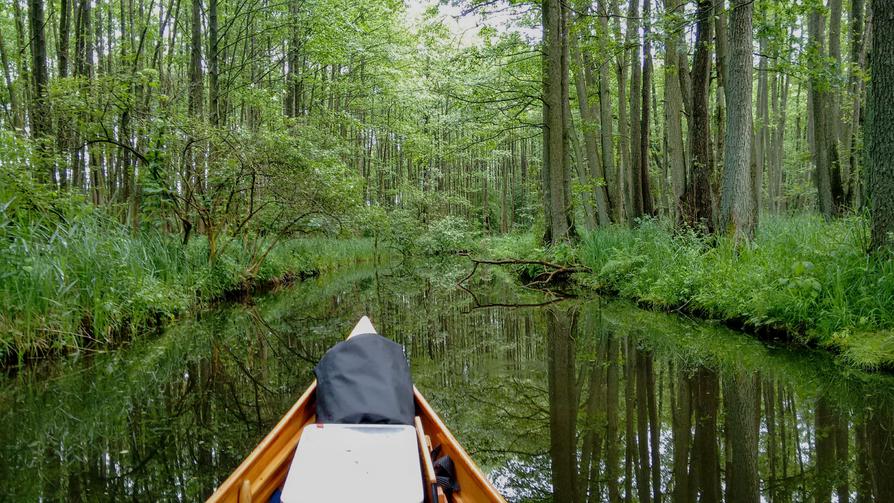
(409, 236)
(803, 275)
(447, 235)
(71, 276)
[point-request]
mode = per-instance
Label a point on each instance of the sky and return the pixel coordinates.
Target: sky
(466, 28)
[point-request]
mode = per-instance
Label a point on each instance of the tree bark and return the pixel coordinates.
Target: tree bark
(605, 113)
(854, 94)
(40, 116)
(646, 196)
(736, 207)
(822, 146)
(588, 125)
(16, 114)
(623, 124)
(881, 127)
(634, 175)
(214, 111)
(196, 88)
(673, 109)
(557, 201)
(697, 210)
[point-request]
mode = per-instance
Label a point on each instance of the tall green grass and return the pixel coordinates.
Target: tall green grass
(803, 275)
(86, 280)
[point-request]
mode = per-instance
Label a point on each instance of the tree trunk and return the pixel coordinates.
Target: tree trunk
(697, 210)
(623, 124)
(646, 196)
(673, 109)
(737, 208)
(881, 127)
(16, 114)
(761, 138)
(196, 92)
(556, 191)
(214, 111)
(605, 113)
(855, 92)
(588, 130)
(40, 116)
(580, 168)
(818, 108)
(635, 172)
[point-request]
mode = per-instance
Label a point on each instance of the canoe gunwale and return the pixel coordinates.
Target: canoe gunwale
(265, 469)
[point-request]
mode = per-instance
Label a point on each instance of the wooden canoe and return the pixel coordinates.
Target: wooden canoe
(264, 470)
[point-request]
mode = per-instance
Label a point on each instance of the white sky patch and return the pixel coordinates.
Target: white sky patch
(466, 28)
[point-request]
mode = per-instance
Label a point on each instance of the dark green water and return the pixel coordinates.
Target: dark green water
(574, 401)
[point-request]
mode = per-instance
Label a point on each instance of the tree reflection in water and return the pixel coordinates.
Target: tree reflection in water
(702, 427)
(575, 401)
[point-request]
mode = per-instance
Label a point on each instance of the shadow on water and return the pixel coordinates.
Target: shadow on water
(575, 401)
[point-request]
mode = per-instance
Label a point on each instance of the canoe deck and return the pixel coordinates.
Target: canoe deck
(265, 469)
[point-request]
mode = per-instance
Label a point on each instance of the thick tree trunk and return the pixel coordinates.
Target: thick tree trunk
(819, 96)
(673, 109)
(737, 210)
(697, 210)
(556, 190)
(881, 126)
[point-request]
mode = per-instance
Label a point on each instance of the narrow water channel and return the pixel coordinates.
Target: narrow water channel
(576, 401)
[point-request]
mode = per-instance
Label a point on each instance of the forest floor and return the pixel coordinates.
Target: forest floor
(803, 280)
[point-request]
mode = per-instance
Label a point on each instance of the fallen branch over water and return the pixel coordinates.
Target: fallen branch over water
(557, 271)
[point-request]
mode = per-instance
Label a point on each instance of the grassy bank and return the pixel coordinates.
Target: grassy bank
(803, 277)
(89, 281)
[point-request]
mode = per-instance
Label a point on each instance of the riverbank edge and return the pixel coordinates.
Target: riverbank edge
(804, 282)
(126, 329)
(767, 333)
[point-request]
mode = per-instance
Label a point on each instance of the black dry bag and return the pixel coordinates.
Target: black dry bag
(365, 380)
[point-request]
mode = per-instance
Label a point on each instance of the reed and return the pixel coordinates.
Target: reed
(86, 280)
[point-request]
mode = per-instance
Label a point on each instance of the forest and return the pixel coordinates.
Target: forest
(730, 159)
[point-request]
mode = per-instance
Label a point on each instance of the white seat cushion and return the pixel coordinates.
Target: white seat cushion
(354, 463)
